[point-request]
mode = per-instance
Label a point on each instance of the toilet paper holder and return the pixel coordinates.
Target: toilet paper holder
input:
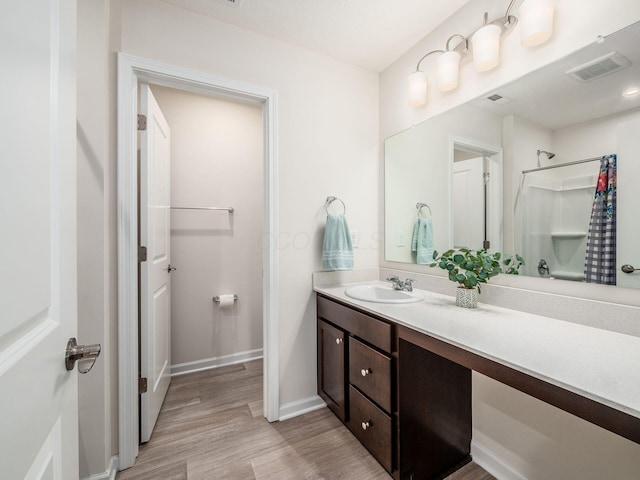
(217, 298)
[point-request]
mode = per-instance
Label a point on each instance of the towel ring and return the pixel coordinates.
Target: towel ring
(330, 200)
(419, 207)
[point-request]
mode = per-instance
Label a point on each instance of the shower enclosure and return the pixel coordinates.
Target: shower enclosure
(555, 210)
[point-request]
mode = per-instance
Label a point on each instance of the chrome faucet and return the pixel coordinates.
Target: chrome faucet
(543, 267)
(406, 286)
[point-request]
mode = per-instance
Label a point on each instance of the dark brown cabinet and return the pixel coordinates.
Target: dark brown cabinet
(409, 407)
(331, 367)
(364, 376)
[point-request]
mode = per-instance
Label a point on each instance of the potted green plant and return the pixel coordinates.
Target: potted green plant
(471, 268)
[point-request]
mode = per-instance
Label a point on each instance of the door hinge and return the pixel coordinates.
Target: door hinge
(142, 122)
(142, 385)
(486, 245)
(142, 254)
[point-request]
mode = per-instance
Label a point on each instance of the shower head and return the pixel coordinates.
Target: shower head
(548, 154)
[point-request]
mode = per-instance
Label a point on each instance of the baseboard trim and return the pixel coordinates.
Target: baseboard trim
(300, 407)
(109, 474)
(215, 362)
(492, 463)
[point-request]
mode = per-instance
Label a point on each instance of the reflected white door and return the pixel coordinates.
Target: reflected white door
(628, 222)
(468, 208)
(38, 397)
(155, 283)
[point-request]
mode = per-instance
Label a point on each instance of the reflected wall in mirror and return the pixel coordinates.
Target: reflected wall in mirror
(467, 164)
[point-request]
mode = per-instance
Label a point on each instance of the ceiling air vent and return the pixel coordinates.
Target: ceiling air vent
(609, 63)
(499, 99)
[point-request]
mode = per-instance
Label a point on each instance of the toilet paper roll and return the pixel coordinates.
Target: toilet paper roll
(226, 300)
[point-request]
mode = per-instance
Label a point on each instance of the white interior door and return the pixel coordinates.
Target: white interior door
(628, 226)
(468, 211)
(155, 283)
(38, 396)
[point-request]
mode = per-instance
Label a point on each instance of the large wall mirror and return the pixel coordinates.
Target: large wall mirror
(517, 170)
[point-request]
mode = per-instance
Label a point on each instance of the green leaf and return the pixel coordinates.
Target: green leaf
(435, 254)
(460, 277)
(497, 255)
(458, 258)
(450, 266)
(448, 253)
(432, 264)
(443, 265)
(452, 277)
(472, 279)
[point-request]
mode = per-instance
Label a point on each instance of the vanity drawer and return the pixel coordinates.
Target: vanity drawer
(370, 371)
(371, 426)
(371, 330)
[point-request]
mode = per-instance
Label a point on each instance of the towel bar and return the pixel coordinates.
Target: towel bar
(228, 209)
(419, 206)
(332, 199)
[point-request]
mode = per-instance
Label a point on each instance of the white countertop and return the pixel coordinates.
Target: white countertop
(598, 364)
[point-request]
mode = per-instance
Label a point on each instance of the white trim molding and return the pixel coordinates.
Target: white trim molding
(109, 474)
(215, 362)
(132, 70)
(492, 463)
(300, 407)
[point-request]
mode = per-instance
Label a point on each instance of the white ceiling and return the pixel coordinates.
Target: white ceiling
(368, 33)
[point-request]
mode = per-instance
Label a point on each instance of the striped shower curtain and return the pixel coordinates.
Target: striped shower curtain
(600, 258)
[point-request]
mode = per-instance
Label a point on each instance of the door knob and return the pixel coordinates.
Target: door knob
(365, 371)
(338, 341)
(628, 268)
(77, 352)
(170, 268)
(366, 425)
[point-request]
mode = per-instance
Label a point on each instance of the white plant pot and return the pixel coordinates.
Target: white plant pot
(467, 297)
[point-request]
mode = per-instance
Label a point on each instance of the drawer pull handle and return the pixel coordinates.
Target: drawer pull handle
(338, 341)
(367, 425)
(366, 371)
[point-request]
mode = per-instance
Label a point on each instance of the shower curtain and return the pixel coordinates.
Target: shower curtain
(600, 258)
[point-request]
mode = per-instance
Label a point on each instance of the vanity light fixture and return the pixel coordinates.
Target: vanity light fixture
(537, 26)
(631, 92)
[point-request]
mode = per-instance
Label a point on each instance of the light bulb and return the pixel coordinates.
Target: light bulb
(536, 20)
(448, 70)
(486, 47)
(418, 89)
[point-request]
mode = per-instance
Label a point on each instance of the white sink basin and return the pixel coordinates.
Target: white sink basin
(382, 294)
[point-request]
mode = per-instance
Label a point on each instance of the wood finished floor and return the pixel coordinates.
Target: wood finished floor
(211, 428)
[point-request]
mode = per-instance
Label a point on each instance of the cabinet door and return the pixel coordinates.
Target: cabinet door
(331, 368)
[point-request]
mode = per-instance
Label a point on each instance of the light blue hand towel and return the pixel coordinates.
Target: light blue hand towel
(337, 251)
(422, 241)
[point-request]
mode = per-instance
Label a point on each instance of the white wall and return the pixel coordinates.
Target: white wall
(327, 144)
(587, 140)
(97, 302)
(515, 428)
(216, 160)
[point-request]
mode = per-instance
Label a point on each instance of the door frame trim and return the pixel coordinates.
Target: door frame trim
(132, 69)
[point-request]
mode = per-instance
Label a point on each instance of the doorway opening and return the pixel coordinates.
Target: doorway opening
(200, 215)
(476, 173)
(131, 72)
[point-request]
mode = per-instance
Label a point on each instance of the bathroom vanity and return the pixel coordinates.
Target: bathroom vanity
(399, 376)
